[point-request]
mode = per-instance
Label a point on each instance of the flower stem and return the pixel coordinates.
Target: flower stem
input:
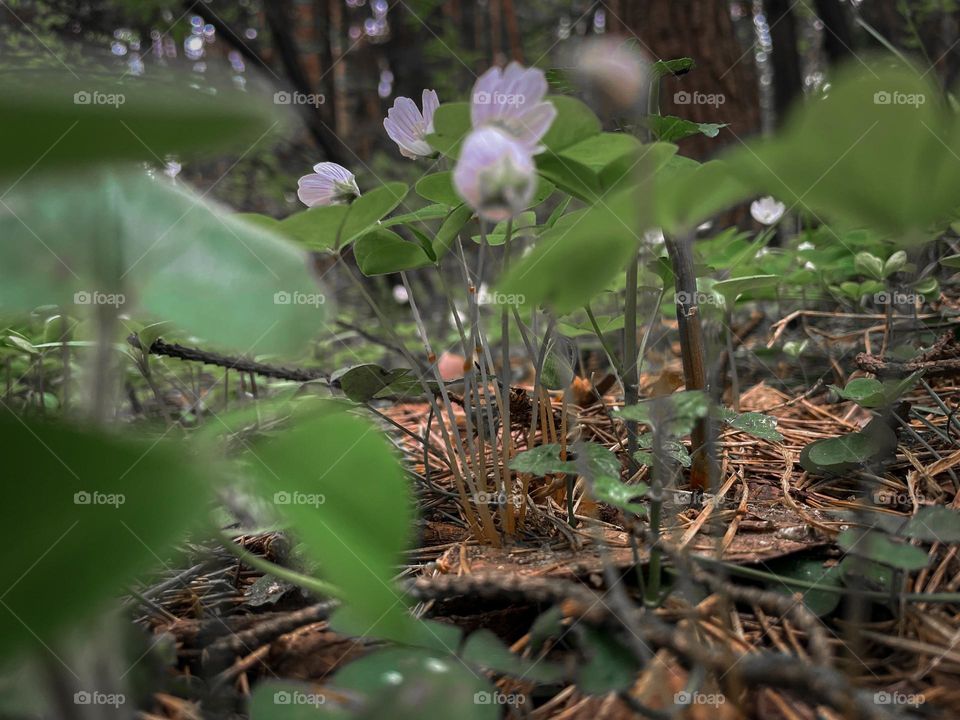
(631, 374)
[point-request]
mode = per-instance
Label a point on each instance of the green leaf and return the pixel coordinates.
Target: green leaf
(583, 459)
(315, 473)
(611, 666)
(570, 176)
(734, 287)
(451, 125)
(951, 261)
(935, 524)
(673, 449)
(869, 264)
(55, 120)
(406, 684)
(315, 228)
(368, 209)
(362, 383)
(598, 151)
(438, 188)
(574, 122)
(436, 211)
(677, 412)
(871, 393)
(636, 167)
(486, 650)
(819, 602)
(576, 259)
(15, 341)
(860, 572)
(874, 443)
(382, 251)
(549, 624)
(613, 491)
(877, 151)
(146, 246)
(425, 243)
(895, 263)
(878, 547)
(668, 128)
(753, 423)
(688, 193)
(451, 227)
(524, 226)
(89, 510)
(676, 67)
(264, 221)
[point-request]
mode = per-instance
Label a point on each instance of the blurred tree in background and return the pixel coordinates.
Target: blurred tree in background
(344, 61)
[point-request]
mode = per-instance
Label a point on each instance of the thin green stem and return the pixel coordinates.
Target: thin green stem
(306, 582)
(607, 347)
(631, 376)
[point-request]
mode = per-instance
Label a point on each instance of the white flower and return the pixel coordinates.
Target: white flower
(806, 245)
(767, 211)
(495, 174)
(400, 294)
(329, 184)
(654, 236)
(613, 70)
(408, 127)
(512, 100)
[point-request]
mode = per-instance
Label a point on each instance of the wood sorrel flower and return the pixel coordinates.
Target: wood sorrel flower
(613, 71)
(328, 184)
(495, 174)
(512, 100)
(767, 210)
(408, 127)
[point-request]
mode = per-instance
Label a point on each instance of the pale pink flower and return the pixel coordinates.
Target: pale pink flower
(612, 70)
(329, 184)
(495, 174)
(408, 127)
(512, 100)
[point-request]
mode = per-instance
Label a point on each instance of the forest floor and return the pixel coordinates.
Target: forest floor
(769, 518)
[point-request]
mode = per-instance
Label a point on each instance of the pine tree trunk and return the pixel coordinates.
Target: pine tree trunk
(703, 30)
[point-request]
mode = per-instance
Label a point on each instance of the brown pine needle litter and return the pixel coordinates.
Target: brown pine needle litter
(765, 510)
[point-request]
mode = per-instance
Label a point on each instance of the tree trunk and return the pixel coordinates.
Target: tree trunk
(837, 32)
(725, 72)
(787, 75)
